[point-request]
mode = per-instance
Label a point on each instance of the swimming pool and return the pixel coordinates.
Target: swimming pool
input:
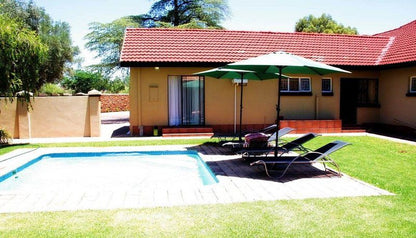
(105, 171)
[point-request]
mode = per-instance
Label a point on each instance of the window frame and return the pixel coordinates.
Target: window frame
(300, 91)
(181, 119)
(329, 92)
(412, 83)
(364, 93)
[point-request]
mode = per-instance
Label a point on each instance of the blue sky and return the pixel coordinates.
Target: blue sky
(368, 16)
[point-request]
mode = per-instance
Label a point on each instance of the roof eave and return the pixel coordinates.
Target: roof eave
(219, 64)
(171, 64)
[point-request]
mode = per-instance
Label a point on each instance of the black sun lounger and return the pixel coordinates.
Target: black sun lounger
(238, 145)
(320, 155)
(223, 137)
(296, 144)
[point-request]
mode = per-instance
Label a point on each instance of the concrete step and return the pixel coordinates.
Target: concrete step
(187, 131)
(187, 134)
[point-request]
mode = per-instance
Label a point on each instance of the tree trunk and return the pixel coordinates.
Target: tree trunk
(176, 13)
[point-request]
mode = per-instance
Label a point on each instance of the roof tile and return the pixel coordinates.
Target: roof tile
(403, 49)
(223, 46)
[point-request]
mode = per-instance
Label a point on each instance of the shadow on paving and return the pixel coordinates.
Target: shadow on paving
(238, 167)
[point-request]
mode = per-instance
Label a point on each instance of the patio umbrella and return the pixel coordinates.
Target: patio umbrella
(223, 73)
(283, 63)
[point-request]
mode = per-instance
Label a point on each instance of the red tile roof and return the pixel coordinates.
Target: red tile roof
(403, 45)
(144, 45)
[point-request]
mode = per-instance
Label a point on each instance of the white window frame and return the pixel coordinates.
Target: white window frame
(330, 85)
(412, 84)
(299, 85)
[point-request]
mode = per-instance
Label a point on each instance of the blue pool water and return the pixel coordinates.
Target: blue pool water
(108, 171)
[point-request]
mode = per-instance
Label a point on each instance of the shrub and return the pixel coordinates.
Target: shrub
(117, 85)
(52, 89)
(4, 137)
(85, 81)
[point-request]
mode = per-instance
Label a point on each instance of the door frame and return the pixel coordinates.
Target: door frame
(201, 89)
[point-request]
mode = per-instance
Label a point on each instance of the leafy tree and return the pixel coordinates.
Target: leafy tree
(84, 81)
(56, 35)
(180, 12)
(118, 85)
(323, 24)
(21, 56)
(107, 38)
(193, 24)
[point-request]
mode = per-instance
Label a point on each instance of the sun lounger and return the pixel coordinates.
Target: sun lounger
(226, 137)
(259, 136)
(282, 132)
(296, 144)
(320, 155)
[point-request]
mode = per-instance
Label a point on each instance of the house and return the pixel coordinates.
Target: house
(165, 93)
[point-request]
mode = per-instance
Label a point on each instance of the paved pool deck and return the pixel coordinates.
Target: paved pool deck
(238, 182)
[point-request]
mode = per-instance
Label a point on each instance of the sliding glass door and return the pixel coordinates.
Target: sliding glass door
(186, 100)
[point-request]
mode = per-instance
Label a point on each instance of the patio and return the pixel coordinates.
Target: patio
(238, 182)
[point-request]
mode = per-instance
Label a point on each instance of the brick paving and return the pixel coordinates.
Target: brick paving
(238, 182)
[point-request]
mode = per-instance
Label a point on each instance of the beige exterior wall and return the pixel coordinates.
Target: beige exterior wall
(259, 100)
(368, 115)
(397, 108)
(52, 117)
(9, 119)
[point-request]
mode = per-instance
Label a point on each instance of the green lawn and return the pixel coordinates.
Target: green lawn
(386, 164)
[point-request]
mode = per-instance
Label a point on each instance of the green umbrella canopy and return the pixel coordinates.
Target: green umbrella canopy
(283, 63)
(223, 73)
(289, 64)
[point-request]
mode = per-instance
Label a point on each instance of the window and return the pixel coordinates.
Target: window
(413, 84)
(327, 85)
(412, 87)
(296, 85)
(367, 92)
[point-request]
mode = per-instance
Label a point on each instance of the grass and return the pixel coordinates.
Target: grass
(6, 149)
(386, 164)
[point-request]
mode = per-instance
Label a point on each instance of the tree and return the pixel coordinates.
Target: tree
(180, 12)
(106, 40)
(193, 24)
(84, 81)
(56, 35)
(21, 56)
(323, 24)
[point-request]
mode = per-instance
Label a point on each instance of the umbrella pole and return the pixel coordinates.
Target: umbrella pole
(241, 105)
(276, 149)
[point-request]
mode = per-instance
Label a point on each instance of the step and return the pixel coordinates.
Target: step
(188, 134)
(353, 130)
(187, 131)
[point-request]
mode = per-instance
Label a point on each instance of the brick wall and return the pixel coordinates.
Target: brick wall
(114, 102)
